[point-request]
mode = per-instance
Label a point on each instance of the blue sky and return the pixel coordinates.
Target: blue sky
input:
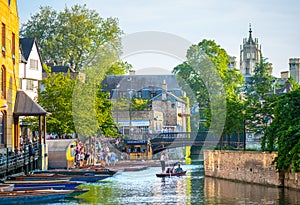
(274, 22)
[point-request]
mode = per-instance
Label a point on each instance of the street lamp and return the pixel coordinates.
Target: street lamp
(117, 98)
(244, 136)
(130, 105)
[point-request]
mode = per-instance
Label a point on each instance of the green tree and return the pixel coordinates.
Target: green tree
(260, 97)
(283, 133)
(56, 98)
(214, 86)
(73, 35)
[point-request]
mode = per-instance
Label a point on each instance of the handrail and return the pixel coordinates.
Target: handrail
(12, 159)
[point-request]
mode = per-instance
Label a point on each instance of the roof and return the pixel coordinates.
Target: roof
(138, 82)
(25, 106)
(26, 46)
(61, 69)
(159, 96)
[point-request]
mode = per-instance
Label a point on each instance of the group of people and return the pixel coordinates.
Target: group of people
(77, 155)
(80, 155)
(106, 157)
(163, 159)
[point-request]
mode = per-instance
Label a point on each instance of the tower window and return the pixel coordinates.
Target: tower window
(248, 71)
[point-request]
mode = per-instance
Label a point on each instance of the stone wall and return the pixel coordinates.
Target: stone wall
(251, 167)
(292, 180)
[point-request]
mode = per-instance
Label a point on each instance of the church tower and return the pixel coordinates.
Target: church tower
(250, 54)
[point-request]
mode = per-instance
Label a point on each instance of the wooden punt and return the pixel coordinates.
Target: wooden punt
(45, 184)
(33, 196)
(171, 174)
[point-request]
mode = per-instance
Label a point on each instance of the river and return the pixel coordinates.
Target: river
(143, 187)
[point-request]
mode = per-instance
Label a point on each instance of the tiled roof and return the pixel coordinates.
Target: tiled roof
(138, 82)
(26, 46)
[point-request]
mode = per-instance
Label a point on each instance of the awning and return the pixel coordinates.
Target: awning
(25, 106)
(134, 123)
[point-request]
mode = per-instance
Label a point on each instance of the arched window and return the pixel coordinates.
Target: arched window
(3, 82)
(2, 129)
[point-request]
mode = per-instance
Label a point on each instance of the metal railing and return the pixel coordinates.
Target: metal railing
(19, 159)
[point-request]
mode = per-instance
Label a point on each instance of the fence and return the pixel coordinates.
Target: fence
(20, 159)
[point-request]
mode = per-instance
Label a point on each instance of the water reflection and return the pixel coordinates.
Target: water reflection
(218, 190)
(143, 187)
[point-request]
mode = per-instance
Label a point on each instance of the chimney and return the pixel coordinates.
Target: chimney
(131, 72)
(164, 87)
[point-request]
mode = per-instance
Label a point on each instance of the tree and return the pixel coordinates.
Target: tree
(283, 133)
(73, 35)
(56, 98)
(259, 97)
(213, 86)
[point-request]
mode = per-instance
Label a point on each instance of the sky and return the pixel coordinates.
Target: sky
(274, 22)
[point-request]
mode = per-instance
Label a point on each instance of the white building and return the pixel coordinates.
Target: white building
(31, 66)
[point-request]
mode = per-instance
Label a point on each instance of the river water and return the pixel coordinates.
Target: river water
(143, 187)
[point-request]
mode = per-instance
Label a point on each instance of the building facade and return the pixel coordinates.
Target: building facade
(9, 77)
(166, 109)
(294, 66)
(31, 67)
(250, 55)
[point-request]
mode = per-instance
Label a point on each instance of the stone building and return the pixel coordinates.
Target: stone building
(9, 63)
(250, 54)
(294, 65)
(166, 108)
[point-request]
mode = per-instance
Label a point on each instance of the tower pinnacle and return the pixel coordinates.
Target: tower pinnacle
(250, 33)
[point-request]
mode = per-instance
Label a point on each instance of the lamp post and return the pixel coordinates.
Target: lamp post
(244, 134)
(117, 98)
(130, 106)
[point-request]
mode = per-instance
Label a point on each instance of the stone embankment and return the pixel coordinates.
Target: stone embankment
(251, 167)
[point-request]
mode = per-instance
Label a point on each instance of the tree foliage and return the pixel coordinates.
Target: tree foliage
(260, 97)
(283, 133)
(205, 61)
(56, 98)
(73, 35)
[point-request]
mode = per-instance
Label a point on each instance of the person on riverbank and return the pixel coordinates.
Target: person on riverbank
(163, 159)
(113, 158)
(70, 156)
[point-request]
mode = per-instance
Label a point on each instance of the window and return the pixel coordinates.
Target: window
(33, 64)
(248, 55)
(3, 39)
(30, 85)
(2, 126)
(248, 71)
(3, 82)
(13, 48)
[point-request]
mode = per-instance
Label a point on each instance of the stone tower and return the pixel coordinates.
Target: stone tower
(294, 64)
(250, 54)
